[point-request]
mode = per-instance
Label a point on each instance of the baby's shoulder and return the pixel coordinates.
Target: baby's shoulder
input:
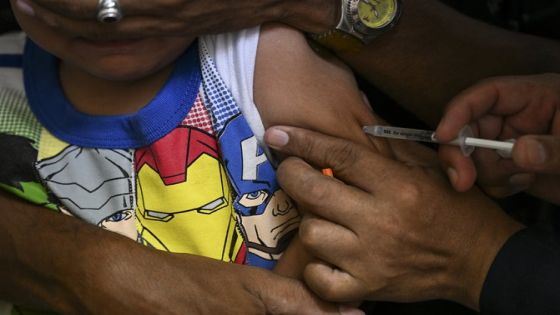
(295, 85)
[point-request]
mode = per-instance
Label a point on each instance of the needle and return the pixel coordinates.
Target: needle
(465, 140)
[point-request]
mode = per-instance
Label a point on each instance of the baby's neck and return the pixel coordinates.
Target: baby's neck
(96, 96)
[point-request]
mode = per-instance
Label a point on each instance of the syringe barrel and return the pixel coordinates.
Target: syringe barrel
(401, 133)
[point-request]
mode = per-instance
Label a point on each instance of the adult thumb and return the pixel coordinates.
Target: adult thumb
(540, 154)
(292, 297)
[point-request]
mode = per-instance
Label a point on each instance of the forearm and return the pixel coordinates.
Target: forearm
(435, 52)
(39, 250)
(55, 262)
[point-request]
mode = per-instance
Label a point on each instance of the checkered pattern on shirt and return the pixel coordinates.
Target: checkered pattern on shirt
(16, 117)
(218, 99)
(199, 117)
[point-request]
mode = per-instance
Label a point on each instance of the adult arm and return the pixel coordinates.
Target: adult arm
(52, 261)
(394, 230)
(435, 52)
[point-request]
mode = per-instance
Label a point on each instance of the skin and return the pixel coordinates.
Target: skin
(436, 52)
(329, 106)
(54, 279)
(186, 17)
(107, 71)
(44, 276)
(526, 108)
(446, 240)
(432, 54)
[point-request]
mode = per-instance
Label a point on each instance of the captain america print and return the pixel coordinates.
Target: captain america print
(268, 217)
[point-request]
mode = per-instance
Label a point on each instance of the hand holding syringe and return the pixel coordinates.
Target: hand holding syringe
(523, 108)
(465, 140)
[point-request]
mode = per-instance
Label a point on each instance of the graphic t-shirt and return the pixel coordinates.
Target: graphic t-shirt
(185, 174)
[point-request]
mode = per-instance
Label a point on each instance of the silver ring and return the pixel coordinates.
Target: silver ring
(109, 11)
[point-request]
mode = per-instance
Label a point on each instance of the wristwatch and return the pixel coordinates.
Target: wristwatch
(361, 21)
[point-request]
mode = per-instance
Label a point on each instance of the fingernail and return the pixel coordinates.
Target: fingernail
(366, 102)
(521, 182)
(535, 152)
(348, 310)
(277, 137)
(452, 174)
(25, 7)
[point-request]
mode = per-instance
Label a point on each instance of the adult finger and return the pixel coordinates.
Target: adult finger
(86, 9)
(72, 26)
(460, 169)
(285, 296)
(77, 9)
(321, 195)
(352, 163)
(328, 241)
(130, 27)
(291, 297)
(333, 284)
(465, 108)
(493, 168)
(538, 153)
(500, 177)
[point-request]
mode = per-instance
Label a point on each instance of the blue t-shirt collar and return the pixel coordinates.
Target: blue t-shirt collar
(161, 115)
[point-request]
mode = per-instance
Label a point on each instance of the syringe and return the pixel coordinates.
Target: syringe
(465, 140)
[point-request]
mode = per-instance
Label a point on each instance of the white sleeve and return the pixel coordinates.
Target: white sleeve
(12, 43)
(234, 55)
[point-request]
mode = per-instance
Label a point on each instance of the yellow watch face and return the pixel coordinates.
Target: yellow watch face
(377, 13)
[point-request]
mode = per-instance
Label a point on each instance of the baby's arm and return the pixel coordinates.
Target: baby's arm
(294, 86)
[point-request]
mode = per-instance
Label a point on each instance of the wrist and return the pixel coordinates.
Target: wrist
(313, 16)
(474, 263)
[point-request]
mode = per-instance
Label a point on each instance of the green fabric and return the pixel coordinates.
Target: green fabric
(17, 118)
(32, 192)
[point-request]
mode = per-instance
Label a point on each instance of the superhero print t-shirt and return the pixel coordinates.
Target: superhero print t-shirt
(185, 174)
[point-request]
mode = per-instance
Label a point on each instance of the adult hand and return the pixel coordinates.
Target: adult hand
(386, 229)
(180, 17)
(526, 108)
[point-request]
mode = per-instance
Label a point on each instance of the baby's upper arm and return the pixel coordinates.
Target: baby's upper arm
(294, 86)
